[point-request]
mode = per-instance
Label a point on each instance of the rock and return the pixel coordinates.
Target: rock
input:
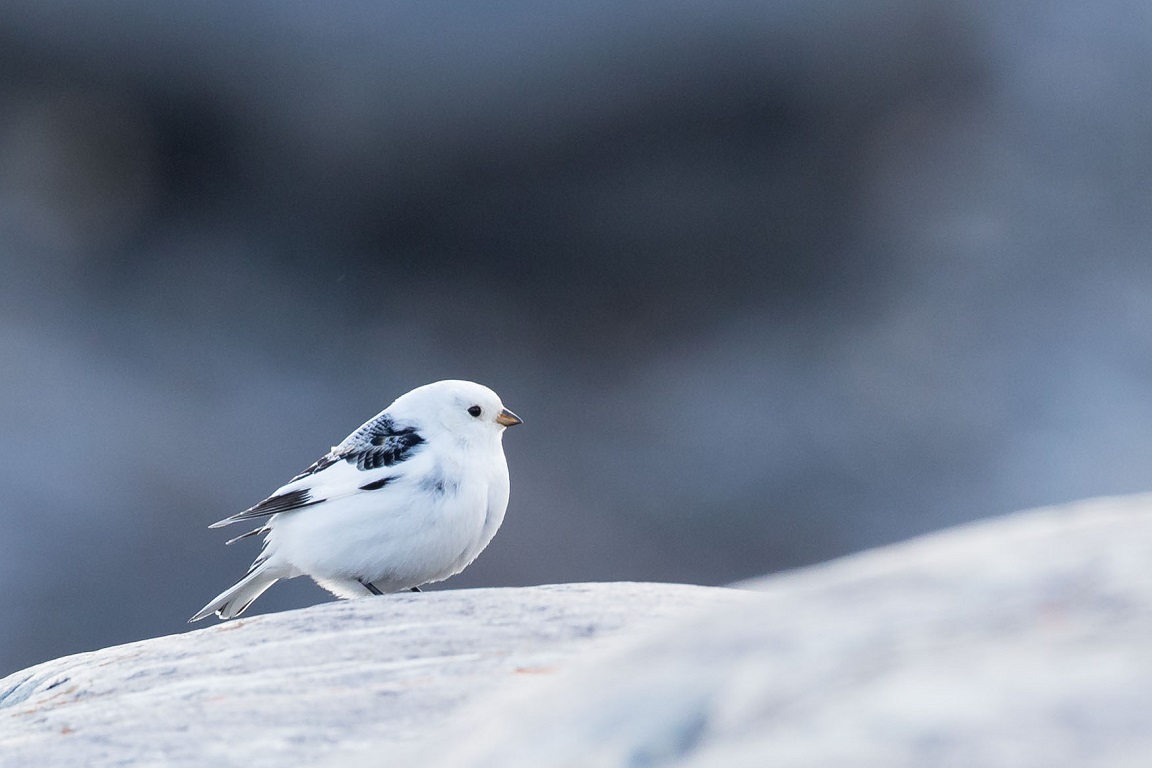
(1025, 641)
(299, 686)
(1022, 641)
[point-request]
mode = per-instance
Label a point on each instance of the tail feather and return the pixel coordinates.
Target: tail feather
(233, 601)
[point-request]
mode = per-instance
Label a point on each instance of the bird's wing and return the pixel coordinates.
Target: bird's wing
(378, 444)
(274, 504)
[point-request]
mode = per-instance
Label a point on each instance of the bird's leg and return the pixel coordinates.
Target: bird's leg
(415, 589)
(370, 587)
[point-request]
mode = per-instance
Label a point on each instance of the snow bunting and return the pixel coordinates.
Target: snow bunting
(411, 497)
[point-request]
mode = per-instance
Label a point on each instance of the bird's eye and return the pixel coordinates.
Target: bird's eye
(475, 411)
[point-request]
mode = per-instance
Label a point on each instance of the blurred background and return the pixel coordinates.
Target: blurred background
(769, 282)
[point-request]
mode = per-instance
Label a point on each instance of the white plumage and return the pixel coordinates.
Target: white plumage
(409, 498)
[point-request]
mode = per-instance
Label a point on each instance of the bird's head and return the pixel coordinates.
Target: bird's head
(464, 408)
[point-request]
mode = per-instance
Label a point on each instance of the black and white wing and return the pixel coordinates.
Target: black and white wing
(378, 443)
(354, 465)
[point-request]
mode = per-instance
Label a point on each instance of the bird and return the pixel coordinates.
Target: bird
(411, 497)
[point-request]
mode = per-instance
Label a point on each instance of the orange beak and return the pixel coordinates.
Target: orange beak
(508, 419)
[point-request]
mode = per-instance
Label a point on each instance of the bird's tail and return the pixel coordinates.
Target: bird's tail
(231, 602)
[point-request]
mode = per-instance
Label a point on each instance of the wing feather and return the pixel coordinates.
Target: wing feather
(273, 505)
(378, 443)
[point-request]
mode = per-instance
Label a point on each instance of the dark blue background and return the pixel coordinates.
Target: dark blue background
(769, 282)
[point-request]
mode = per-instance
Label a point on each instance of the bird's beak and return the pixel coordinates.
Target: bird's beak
(508, 419)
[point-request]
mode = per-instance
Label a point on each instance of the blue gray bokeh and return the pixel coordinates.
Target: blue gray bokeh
(769, 281)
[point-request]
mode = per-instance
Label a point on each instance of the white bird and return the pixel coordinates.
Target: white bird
(409, 498)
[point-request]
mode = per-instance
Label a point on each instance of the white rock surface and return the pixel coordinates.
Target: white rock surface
(297, 687)
(1025, 641)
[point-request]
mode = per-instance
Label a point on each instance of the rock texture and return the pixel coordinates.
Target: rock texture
(1026, 641)
(1023, 641)
(297, 687)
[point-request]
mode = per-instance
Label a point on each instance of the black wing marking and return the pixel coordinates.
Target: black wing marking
(378, 484)
(273, 505)
(317, 466)
(379, 443)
